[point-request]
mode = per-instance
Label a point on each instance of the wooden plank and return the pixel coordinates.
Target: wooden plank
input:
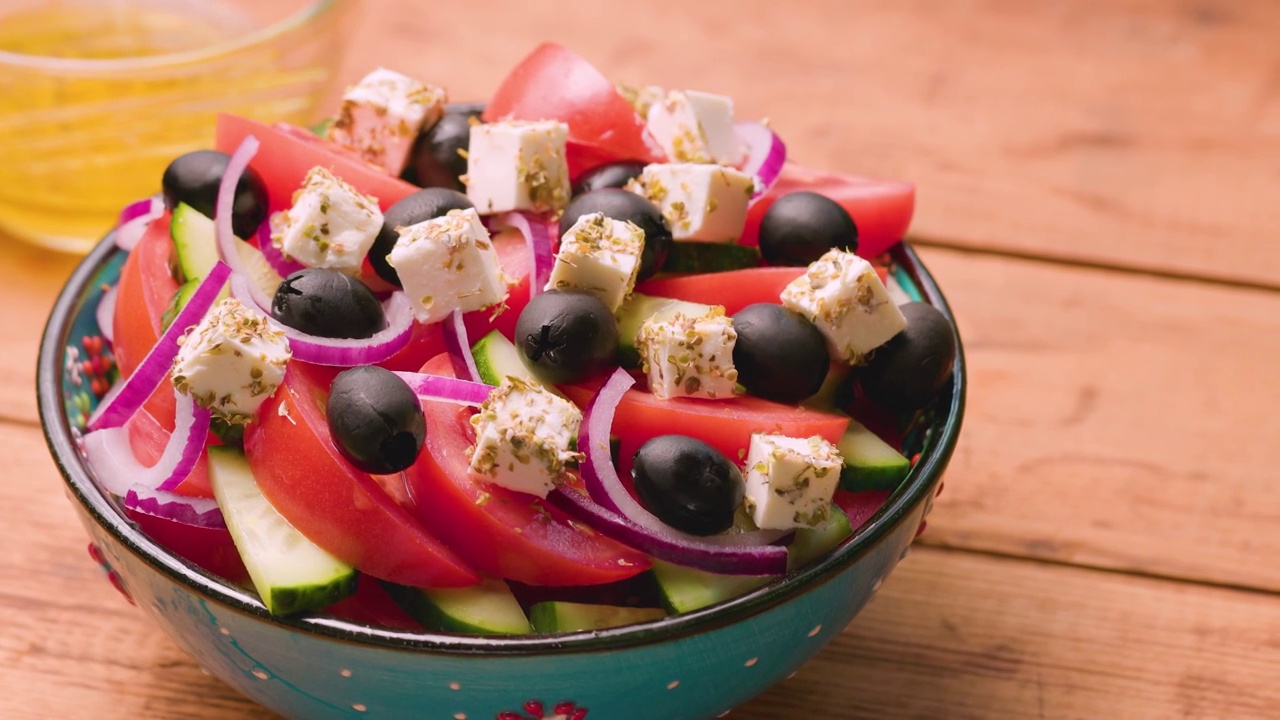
(1115, 420)
(1130, 133)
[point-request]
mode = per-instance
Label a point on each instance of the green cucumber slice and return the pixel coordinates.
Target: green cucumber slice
(811, 543)
(704, 257)
(640, 307)
(558, 616)
(489, 608)
(869, 462)
(290, 573)
(193, 238)
(684, 588)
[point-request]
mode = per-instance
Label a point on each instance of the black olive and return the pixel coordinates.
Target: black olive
(908, 371)
(567, 335)
(435, 160)
(623, 205)
(410, 210)
(375, 419)
(800, 226)
(327, 303)
(194, 179)
(687, 484)
(779, 354)
(613, 175)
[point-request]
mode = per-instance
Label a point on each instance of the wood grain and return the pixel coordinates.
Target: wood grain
(1130, 133)
(26, 295)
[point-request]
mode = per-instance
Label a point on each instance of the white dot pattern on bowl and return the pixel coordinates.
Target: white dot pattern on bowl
(816, 629)
(459, 716)
(224, 631)
(260, 674)
(673, 684)
(344, 672)
(455, 686)
(751, 662)
(875, 586)
(358, 707)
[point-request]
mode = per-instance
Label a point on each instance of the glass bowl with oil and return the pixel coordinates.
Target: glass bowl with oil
(97, 96)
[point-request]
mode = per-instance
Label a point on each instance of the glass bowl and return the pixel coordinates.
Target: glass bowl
(97, 96)
(694, 665)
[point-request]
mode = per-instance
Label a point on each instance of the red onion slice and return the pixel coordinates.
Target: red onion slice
(766, 154)
(339, 352)
(458, 345)
(223, 210)
(135, 389)
(111, 456)
(438, 387)
(195, 511)
(283, 266)
(537, 234)
(106, 313)
(134, 220)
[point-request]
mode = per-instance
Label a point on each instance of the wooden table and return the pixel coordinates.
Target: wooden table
(1099, 195)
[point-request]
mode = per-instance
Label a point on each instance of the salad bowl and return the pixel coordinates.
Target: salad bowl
(698, 664)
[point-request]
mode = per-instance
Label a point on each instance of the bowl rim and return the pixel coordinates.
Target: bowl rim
(60, 438)
(295, 20)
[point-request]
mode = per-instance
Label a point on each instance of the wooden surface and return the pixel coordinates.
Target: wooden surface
(1098, 195)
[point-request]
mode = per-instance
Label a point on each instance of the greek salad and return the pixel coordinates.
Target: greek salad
(581, 356)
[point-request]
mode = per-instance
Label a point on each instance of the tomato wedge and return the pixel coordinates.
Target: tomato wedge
(145, 289)
(882, 209)
(332, 503)
(726, 425)
(148, 438)
(734, 289)
(555, 83)
(287, 153)
(504, 533)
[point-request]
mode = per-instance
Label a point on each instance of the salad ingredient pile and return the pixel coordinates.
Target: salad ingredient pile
(452, 360)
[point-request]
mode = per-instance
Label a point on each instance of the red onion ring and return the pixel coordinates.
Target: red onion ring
(134, 220)
(111, 456)
(223, 209)
(116, 410)
(195, 511)
(766, 154)
(458, 345)
(339, 352)
(438, 387)
(537, 234)
(106, 313)
(283, 266)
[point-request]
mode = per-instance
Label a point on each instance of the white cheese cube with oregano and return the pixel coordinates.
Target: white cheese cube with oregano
(331, 224)
(790, 481)
(524, 436)
(689, 356)
(448, 263)
(695, 127)
(702, 203)
(842, 295)
(518, 165)
(231, 361)
(601, 256)
(381, 117)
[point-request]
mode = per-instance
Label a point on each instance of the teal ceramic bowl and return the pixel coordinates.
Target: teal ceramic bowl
(696, 665)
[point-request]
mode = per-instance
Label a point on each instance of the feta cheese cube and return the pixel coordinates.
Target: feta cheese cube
(382, 115)
(689, 356)
(641, 97)
(232, 361)
(448, 263)
(599, 255)
(331, 224)
(518, 165)
(695, 127)
(842, 295)
(706, 203)
(523, 436)
(790, 481)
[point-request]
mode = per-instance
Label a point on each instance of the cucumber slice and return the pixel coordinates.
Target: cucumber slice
(485, 609)
(496, 357)
(811, 543)
(684, 589)
(869, 462)
(290, 573)
(557, 616)
(703, 257)
(640, 307)
(193, 237)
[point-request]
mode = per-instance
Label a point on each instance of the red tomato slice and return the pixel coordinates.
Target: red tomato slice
(860, 506)
(513, 253)
(425, 342)
(288, 153)
(332, 503)
(208, 548)
(882, 209)
(145, 289)
(555, 83)
(148, 438)
(734, 289)
(726, 425)
(504, 533)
